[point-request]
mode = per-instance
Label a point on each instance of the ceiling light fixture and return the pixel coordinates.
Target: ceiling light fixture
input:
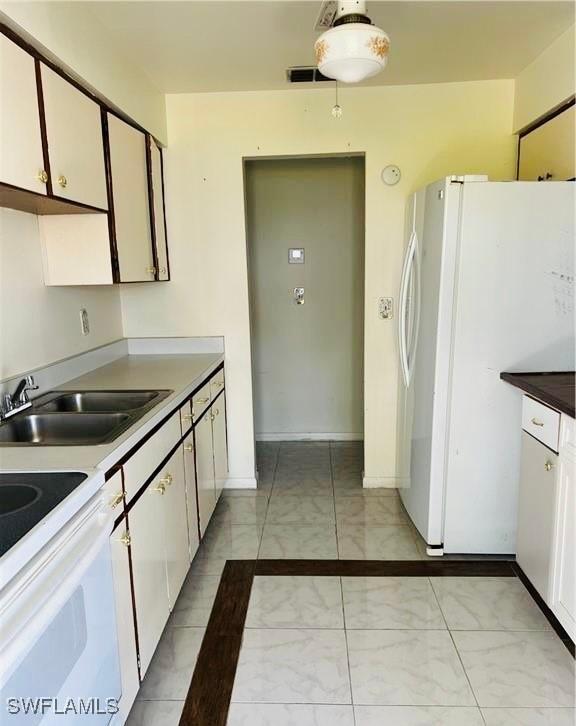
(352, 49)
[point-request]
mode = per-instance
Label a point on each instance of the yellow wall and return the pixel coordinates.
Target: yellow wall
(428, 130)
(78, 41)
(546, 82)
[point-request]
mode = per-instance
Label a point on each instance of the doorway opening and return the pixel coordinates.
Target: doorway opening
(305, 238)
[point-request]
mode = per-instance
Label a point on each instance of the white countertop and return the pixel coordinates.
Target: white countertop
(179, 373)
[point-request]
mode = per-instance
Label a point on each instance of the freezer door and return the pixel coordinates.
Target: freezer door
(436, 224)
(515, 313)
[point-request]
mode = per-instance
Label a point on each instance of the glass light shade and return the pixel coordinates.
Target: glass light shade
(352, 52)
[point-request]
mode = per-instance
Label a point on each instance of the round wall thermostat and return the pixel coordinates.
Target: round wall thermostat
(391, 174)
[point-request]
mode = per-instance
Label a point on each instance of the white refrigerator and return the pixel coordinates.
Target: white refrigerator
(487, 286)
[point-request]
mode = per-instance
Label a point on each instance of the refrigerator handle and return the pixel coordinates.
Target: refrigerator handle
(415, 309)
(404, 297)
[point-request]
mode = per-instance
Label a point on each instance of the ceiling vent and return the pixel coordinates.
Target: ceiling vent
(305, 74)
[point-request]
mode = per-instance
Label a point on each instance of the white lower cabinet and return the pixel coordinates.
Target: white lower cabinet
(220, 444)
(163, 510)
(536, 512)
(191, 497)
(563, 599)
(119, 542)
(149, 571)
(205, 470)
(546, 540)
(175, 524)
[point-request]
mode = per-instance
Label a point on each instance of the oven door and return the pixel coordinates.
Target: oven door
(58, 638)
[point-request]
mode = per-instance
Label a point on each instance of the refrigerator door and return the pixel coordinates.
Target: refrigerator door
(436, 226)
(515, 312)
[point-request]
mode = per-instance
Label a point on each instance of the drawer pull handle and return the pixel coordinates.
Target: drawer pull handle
(537, 423)
(62, 181)
(187, 417)
(166, 480)
(548, 466)
(188, 447)
(42, 176)
(126, 539)
(218, 384)
(116, 499)
(160, 489)
(202, 401)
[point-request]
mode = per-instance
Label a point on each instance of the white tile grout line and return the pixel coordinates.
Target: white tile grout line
(336, 526)
(268, 503)
(347, 650)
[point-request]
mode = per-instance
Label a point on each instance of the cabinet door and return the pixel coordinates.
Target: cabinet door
(156, 173)
(536, 509)
(175, 523)
(191, 497)
(564, 579)
(21, 156)
(220, 444)
(205, 470)
(131, 204)
(75, 144)
(119, 545)
(549, 150)
(146, 523)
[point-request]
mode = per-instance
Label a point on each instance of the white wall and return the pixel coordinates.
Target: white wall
(429, 130)
(546, 82)
(76, 39)
(38, 324)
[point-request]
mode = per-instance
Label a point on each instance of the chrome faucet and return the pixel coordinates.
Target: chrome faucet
(19, 400)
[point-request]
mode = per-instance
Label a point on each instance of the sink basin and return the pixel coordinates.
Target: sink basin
(99, 401)
(14, 497)
(64, 429)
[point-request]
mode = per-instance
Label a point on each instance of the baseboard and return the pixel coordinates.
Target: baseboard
(241, 483)
(380, 482)
(310, 437)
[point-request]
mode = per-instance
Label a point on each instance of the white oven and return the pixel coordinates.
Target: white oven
(58, 644)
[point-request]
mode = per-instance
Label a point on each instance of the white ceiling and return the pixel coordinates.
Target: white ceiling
(236, 45)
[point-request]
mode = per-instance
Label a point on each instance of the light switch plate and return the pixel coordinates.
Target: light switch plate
(296, 255)
(385, 307)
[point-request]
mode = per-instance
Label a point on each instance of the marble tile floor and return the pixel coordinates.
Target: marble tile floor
(356, 651)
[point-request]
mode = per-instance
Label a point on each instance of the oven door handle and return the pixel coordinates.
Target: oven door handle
(32, 600)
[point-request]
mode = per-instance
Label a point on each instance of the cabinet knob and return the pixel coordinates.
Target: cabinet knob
(548, 466)
(187, 417)
(116, 499)
(212, 417)
(151, 270)
(166, 480)
(189, 447)
(62, 181)
(161, 488)
(42, 176)
(216, 412)
(162, 270)
(126, 539)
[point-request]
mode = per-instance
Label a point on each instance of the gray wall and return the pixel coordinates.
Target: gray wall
(307, 359)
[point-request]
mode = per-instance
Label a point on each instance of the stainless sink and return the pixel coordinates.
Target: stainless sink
(98, 401)
(64, 429)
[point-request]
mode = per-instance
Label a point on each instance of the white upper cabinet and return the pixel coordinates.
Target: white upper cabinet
(131, 203)
(158, 209)
(75, 143)
(21, 156)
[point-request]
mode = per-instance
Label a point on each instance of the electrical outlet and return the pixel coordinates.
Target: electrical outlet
(84, 321)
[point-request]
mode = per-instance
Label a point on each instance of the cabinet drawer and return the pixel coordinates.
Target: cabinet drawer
(217, 384)
(140, 466)
(201, 401)
(113, 493)
(541, 421)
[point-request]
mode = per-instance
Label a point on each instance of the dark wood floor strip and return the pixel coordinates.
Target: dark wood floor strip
(387, 568)
(210, 691)
(548, 614)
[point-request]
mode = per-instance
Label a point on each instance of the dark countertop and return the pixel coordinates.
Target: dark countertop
(555, 389)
